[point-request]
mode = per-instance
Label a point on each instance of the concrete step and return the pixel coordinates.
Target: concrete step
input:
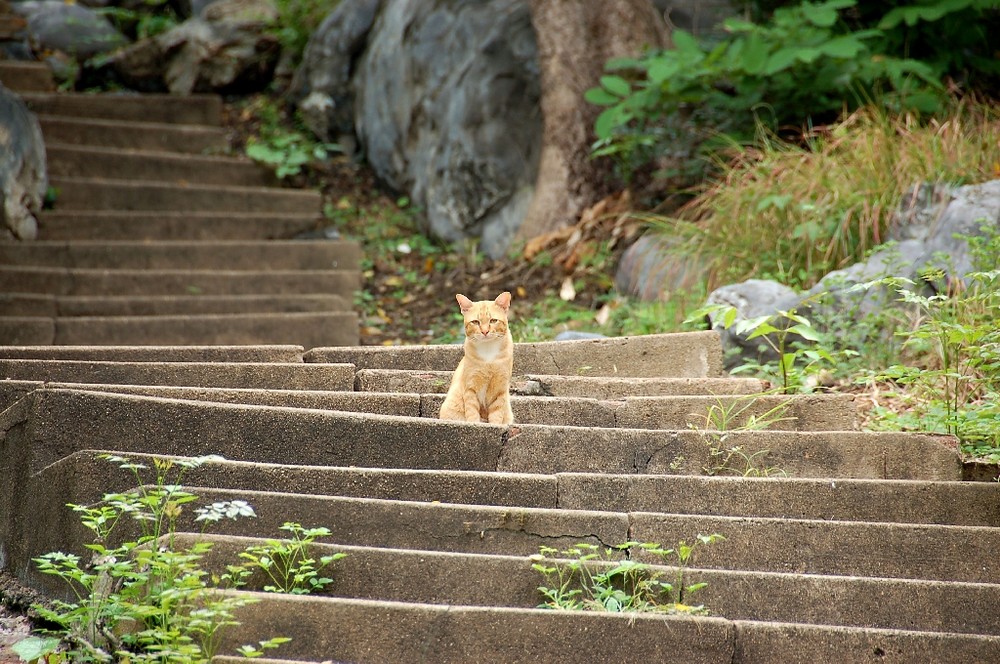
(167, 305)
(890, 501)
(83, 281)
(131, 225)
(681, 355)
(260, 353)
(300, 328)
(67, 160)
(291, 375)
(99, 194)
(26, 76)
(371, 573)
(167, 255)
(380, 441)
(146, 135)
(597, 387)
(378, 631)
(164, 108)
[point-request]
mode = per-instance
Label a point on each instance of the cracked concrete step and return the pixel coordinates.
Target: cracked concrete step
(256, 353)
(85, 281)
(800, 546)
(379, 631)
(380, 441)
(76, 193)
(291, 375)
(24, 77)
(166, 255)
(166, 108)
(892, 501)
(371, 573)
(598, 387)
(130, 225)
(15, 304)
(679, 355)
(145, 135)
(67, 160)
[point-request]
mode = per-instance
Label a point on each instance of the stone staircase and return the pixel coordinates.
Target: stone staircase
(155, 238)
(870, 548)
(161, 313)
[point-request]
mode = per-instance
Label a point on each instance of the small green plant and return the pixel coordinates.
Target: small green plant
(724, 418)
(288, 151)
(144, 599)
(782, 333)
(287, 563)
(586, 577)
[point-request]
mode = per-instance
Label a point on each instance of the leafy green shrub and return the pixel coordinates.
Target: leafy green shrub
(144, 599)
(296, 21)
(801, 64)
(586, 577)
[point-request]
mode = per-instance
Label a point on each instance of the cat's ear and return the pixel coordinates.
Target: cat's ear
(503, 301)
(463, 302)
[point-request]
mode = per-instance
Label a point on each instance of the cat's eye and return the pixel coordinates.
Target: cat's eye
(493, 321)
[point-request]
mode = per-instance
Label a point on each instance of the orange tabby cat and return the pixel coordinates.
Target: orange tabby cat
(480, 388)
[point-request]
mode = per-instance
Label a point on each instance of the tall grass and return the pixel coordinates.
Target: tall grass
(793, 212)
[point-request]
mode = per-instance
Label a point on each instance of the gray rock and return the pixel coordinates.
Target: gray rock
(751, 299)
(59, 26)
(321, 86)
(228, 48)
(445, 104)
(23, 179)
(573, 335)
(652, 267)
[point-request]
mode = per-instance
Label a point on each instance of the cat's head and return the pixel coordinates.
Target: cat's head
(486, 319)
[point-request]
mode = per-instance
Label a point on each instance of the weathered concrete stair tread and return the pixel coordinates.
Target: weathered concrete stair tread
(91, 281)
(961, 553)
(302, 328)
(377, 441)
(205, 374)
(230, 255)
(17, 304)
(598, 387)
(682, 355)
(892, 501)
(147, 135)
(285, 353)
(121, 225)
(87, 193)
(66, 160)
(24, 77)
(165, 108)
(509, 581)
(378, 631)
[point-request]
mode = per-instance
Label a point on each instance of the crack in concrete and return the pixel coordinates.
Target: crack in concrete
(504, 439)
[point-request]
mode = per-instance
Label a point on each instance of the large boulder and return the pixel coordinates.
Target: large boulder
(23, 179)
(443, 102)
(70, 28)
(456, 127)
(227, 48)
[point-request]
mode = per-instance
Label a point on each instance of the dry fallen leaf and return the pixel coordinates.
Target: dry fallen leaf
(567, 292)
(603, 315)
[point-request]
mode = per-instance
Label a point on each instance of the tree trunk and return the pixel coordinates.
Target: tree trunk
(575, 38)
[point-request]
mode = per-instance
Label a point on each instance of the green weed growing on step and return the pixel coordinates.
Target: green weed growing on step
(951, 375)
(287, 563)
(738, 414)
(586, 577)
(281, 142)
(142, 597)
